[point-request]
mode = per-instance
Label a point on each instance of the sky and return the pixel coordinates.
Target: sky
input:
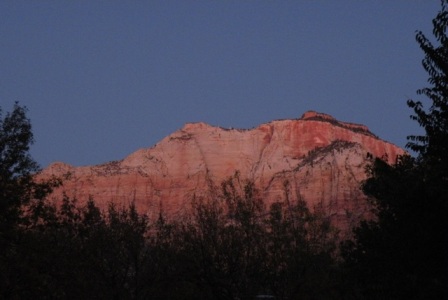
(102, 79)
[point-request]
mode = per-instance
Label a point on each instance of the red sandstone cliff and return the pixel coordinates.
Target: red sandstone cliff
(323, 159)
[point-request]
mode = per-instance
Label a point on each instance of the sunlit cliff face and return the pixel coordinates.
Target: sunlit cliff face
(323, 160)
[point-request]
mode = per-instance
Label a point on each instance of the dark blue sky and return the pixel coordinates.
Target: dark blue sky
(102, 79)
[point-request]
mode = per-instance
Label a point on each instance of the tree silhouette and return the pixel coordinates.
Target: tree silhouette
(17, 191)
(402, 253)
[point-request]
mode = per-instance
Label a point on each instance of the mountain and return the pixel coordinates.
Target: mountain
(323, 159)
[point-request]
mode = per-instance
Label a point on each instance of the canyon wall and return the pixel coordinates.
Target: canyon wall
(322, 159)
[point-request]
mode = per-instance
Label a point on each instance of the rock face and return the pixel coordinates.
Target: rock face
(323, 160)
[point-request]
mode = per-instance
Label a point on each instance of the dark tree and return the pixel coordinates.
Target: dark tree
(17, 192)
(16, 165)
(238, 249)
(402, 253)
(433, 146)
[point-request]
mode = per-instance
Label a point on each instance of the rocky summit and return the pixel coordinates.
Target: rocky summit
(322, 159)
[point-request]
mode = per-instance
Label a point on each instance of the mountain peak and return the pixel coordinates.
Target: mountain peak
(316, 116)
(323, 159)
(194, 126)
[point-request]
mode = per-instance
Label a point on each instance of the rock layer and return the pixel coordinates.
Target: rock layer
(323, 160)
